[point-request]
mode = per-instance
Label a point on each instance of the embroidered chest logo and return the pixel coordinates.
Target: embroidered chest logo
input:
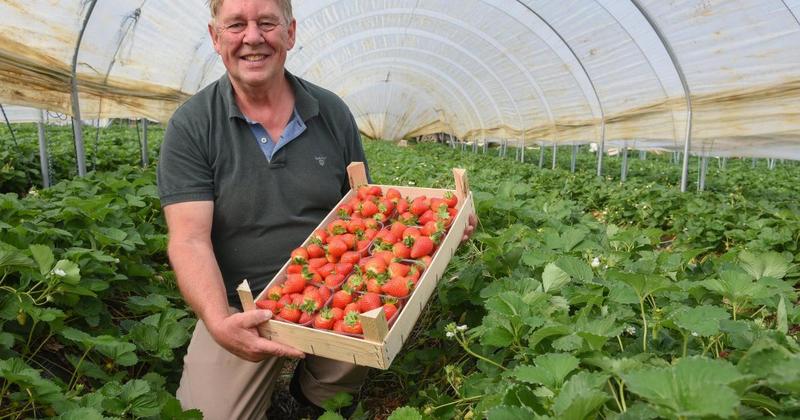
(321, 160)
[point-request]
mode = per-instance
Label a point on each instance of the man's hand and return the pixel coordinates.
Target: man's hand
(237, 333)
(470, 228)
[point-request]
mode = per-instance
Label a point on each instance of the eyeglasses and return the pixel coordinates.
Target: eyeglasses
(238, 27)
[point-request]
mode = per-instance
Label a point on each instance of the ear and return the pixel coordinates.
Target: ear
(212, 32)
(291, 32)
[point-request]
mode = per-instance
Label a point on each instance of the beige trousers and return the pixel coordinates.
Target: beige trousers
(223, 386)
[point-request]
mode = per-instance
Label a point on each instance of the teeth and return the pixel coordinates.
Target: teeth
(253, 57)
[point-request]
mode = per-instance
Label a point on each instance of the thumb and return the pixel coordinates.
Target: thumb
(254, 318)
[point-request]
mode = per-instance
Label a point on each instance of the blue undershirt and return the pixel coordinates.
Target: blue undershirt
(293, 129)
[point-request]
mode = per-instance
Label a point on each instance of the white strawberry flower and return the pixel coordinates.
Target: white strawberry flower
(596, 262)
(59, 272)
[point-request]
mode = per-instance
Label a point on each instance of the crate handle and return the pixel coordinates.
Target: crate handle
(462, 183)
(374, 325)
(357, 174)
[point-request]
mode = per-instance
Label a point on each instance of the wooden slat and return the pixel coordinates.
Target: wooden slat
(462, 183)
(374, 325)
(357, 174)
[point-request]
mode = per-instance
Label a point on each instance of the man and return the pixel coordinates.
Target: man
(249, 166)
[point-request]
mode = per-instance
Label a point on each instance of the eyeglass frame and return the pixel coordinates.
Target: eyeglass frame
(229, 27)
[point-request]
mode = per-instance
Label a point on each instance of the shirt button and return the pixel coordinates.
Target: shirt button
(264, 140)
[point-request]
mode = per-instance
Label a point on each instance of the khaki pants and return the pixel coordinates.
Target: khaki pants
(223, 386)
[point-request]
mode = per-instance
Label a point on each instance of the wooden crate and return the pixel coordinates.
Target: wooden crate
(380, 344)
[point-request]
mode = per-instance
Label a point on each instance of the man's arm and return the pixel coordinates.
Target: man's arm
(200, 281)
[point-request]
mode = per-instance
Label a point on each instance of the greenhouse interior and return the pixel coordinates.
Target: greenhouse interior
(622, 243)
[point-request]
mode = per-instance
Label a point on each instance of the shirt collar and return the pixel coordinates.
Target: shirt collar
(306, 105)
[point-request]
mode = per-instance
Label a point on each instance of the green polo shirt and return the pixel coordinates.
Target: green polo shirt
(262, 208)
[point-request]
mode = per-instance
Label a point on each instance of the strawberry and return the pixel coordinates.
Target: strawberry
(351, 324)
(294, 283)
(356, 225)
(374, 285)
(389, 309)
(397, 287)
(326, 269)
(291, 313)
(420, 205)
(370, 224)
(393, 195)
(338, 313)
(319, 237)
(315, 251)
(274, 292)
(351, 307)
(397, 269)
(368, 209)
(426, 217)
(334, 280)
(341, 299)
(375, 266)
(325, 293)
(407, 218)
(402, 206)
(324, 319)
(344, 211)
(375, 190)
(350, 257)
(451, 199)
(284, 300)
(313, 299)
(363, 192)
(337, 247)
(355, 282)
(294, 268)
(343, 268)
(339, 325)
(272, 305)
(400, 250)
(369, 301)
(305, 318)
(423, 245)
(299, 256)
(337, 227)
(316, 263)
(386, 255)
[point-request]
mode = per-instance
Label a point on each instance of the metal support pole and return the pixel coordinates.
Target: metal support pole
(701, 184)
(602, 148)
(574, 158)
(724, 162)
(44, 159)
(80, 151)
(686, 91)
(555, 153)
(753, 163)
(624, 169)
(642, 155)
(145, 157)
(541, 155)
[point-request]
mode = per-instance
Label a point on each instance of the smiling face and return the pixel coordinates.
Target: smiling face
(252, 47)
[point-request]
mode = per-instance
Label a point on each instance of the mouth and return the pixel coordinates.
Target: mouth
(253, 58)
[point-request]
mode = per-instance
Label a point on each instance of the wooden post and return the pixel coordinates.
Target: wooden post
(462, 183)
(248, 304)
(357, 174)
(374, 325)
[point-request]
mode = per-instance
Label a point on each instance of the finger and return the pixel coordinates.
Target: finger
(250, 319)
(281, 350)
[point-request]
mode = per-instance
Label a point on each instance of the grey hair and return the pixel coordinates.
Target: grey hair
(285, 6)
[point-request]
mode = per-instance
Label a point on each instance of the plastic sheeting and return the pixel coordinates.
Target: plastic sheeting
(530, 72)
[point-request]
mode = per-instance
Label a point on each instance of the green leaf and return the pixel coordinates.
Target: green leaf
(576, 268)
(405, 413)
(67, 272)
(505, 412)
(138, 396)
(151, 303)
(693, 387)
(550, 370)
(43, 256)
(339, 400)
(553, 278)
(82, 413)
(506, 303)
(703, 320)
(581, 396)
(6, 340)
(331, 416)
(768, 264)
(13, 258)
(643, 284)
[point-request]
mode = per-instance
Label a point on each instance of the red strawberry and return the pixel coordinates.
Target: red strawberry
(272, 305)
(423, 245)
(374, 285)
(350, 257)
(334, 280)
(402, 206)
(341, 299)
(324, 319)
(305, 317)
(397, 287)
(337, 247)
(295, 283)
(351, 307)
(291, 313)
(325, 293)
(386, 255)
(368, 208)
(451, 199)
(315, 251)
(294, 268)
(356, 225)
(351, 324)
(338, 313)
(389, 309)
(375, 266)
(393, 195)
(397, 269)
(420, 205)
(370, 224)
(274, 292)
(343, 268)
(319, 237)
(299, 255)
(337, 227)
(369, 301)
(316, 263)
(400, 250)
(339, 325)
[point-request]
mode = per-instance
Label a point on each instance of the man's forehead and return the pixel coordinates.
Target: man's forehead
(240, 8)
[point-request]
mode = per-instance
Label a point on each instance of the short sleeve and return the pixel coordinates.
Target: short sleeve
(184, 170)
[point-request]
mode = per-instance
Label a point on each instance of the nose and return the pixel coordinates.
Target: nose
(252, 35)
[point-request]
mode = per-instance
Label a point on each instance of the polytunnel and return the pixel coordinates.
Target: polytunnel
(720, 78)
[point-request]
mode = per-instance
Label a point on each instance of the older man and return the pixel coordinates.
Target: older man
(249, 166)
